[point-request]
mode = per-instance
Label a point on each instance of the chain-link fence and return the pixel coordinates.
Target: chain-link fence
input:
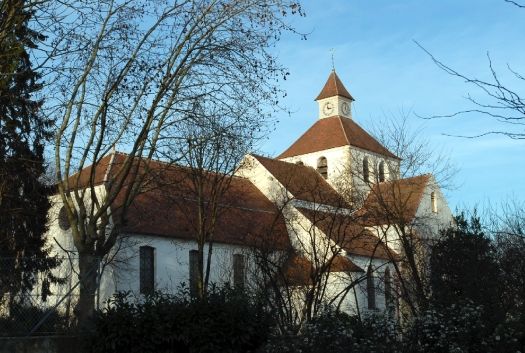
(38, 304)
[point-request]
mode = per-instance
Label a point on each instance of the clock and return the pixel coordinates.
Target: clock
(328, 108)
(345, 108)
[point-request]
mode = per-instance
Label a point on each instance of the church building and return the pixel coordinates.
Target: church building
(326, 212)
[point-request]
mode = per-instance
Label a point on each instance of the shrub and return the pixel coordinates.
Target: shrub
(337, 333)
(23, 319)
(458, 328)
(227, 321)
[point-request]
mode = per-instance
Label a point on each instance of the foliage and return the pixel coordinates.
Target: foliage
(337, 332)
(23, 132)
(458, 328)
(464, 268)
(226, 321)
(23, 318)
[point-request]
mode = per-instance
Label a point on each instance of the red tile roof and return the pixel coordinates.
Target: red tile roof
(394, 202)
(90, 176)
(303, 182)
(346, 232)
(168, 206)
(244, 217)
(334, 87)
(298, 270)
(334, 132)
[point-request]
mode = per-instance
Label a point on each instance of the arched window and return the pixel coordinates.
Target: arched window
(147, 269)
(322, 167)
(239, 271)
(370, 288)
(433, 202)
(366, 170)
(388, 290)
(381, 171)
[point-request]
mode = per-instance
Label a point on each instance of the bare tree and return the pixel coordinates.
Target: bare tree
(214, 141)
(401, 202)
(503, 103)
(126, 75)
(417, 156)
(315, 270)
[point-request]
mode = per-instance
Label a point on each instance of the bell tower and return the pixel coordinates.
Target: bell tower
(334, 99)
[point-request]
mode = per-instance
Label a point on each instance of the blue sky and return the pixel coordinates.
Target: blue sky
(386, 72)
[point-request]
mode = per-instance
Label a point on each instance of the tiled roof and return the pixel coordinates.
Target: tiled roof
(168, 207)
(90, 176)
(334, 87)
(298, 270)
(334, 132)
(394, 201)
(244, 217)
(303, 182)
(346, 232)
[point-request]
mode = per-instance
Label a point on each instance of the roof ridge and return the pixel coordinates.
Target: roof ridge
(344, 130)
(281, 161)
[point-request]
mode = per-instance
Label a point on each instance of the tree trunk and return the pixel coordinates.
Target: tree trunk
(88, 270)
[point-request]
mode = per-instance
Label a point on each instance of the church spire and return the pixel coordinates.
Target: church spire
(334, 87)
(334, 99)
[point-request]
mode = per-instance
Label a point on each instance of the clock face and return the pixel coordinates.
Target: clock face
(328, 108)
(345, 108)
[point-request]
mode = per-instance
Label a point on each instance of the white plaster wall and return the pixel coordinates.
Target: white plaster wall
(345, 166)
(171, 267)
(430, 222)
(337, 104)
(338, 160)
(357, 156)
(255, 172)
(61, 244)
(379, 267)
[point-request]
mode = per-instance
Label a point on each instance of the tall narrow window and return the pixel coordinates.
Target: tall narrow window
(366, 170)
(370, 288)
(381, 171)
(239, 270)
(388, 290)
(194, 272)
(433, 201)
(147, 269)
(322, 167)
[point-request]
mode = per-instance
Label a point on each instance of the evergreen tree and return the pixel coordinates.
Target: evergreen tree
(23, 132)
(464, 268)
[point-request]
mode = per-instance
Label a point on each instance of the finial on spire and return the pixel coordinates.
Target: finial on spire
(333, 54)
